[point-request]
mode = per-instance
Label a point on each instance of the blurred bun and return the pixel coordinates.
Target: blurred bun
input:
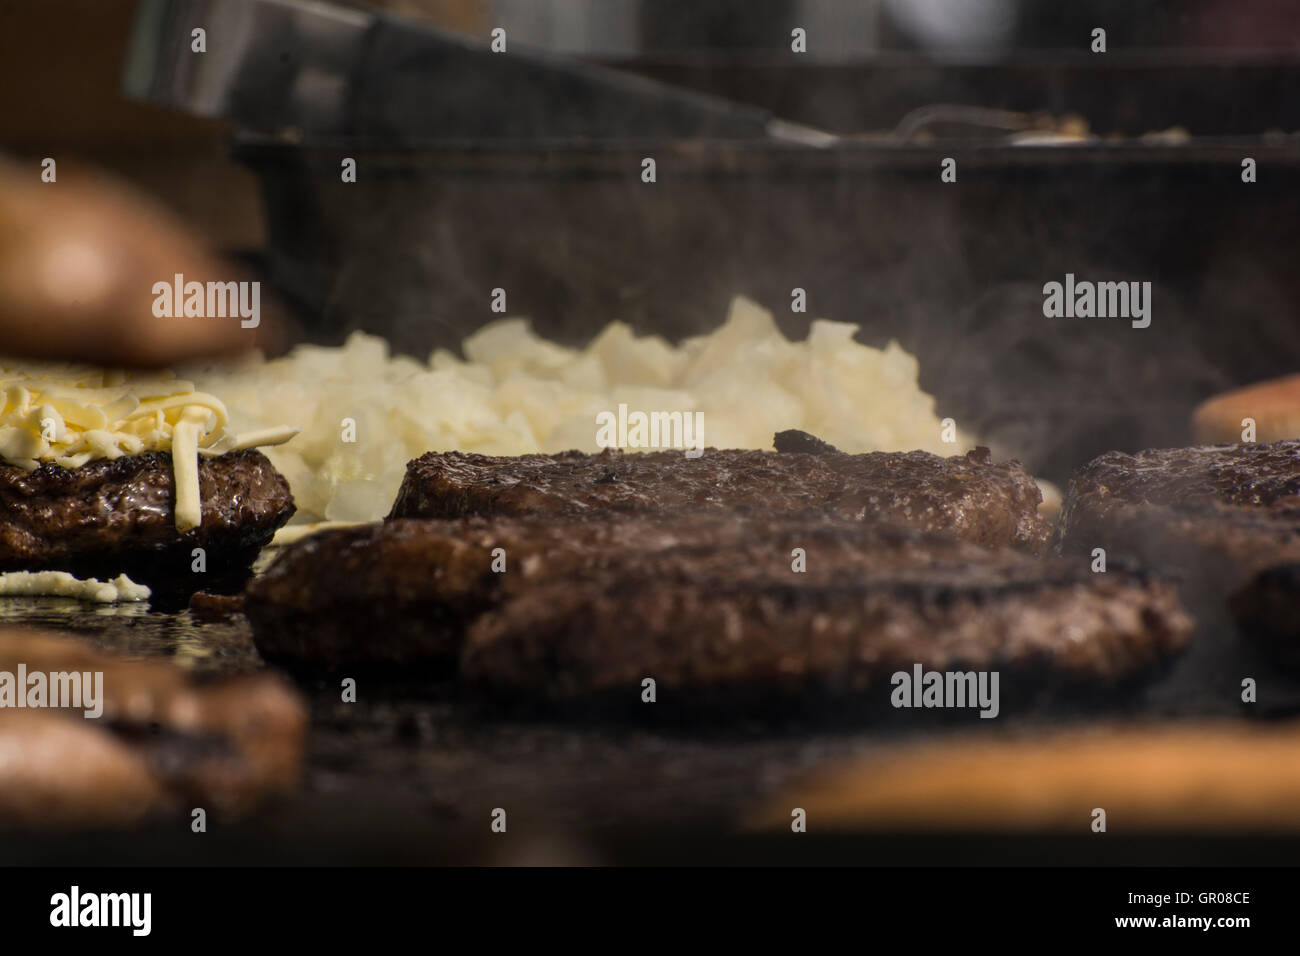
(78, 261)
(1274, 405)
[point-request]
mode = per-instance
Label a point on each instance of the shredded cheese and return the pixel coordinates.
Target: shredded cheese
(73, 414)
(63, 584)
(293, 533)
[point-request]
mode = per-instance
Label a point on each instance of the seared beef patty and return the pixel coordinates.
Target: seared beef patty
(699, 600)
(909, 598)
(1223, 512)
(407, 589)
(1227, 517)
(111, 516)
(968, 495)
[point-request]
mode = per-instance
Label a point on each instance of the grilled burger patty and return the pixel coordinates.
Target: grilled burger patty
(699, 600)
(1226, 516)
(910, 598)
(968, 495)
(407, 589)
(1224, 511)
(116, 515)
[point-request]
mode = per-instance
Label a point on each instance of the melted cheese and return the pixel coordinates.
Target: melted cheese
(63, 584)
(73, 414)
(185, 462)
(293, 533)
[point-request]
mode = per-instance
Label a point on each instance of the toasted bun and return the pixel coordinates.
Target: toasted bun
(1274, 405)
(1216, 776)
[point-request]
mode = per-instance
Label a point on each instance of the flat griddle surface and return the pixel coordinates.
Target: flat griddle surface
(411, 772)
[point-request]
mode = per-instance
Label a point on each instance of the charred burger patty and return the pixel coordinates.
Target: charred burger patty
(699, 600)
(969, 496)
(110, 516)
(891, 599)
(1226, 516)
(1229, 510)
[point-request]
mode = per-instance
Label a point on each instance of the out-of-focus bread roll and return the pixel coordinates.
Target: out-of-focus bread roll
(78, 261)
(1203, 777)
(73, 774)
(165, 741)
(1274, 405)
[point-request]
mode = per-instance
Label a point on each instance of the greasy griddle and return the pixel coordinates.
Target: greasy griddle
(411, 772)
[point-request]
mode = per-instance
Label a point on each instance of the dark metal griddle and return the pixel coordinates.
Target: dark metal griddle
(412, 771)
(451, 202)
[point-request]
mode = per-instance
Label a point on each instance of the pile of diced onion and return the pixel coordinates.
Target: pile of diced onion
(364, 413)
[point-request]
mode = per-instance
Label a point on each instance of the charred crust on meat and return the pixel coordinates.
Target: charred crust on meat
(1226, 518)
(970, 496)
(1218, 512)
(113, 516)
(655, 591)
(794, 441)
(851, 632)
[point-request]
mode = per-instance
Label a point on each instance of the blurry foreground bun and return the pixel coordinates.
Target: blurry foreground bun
(1180, 777)
(79, 258)
(1274, 405)
(161, 743)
